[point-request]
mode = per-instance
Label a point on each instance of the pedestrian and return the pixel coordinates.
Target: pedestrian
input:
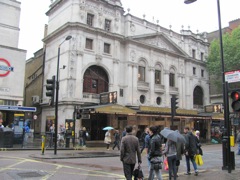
(180, 152)
(170, 152)
(124, 133)
(199, 149)
(26, 131)
(129, 149)
(1, 120)
(155, 152)
(147, 146)
(52, 132)
(144, 134)
(238, 141)
(190, 150)
(116, 140)
(107, 139)
(82, 137)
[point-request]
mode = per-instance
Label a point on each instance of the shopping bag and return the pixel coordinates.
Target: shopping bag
(199, 160)
(165, 164)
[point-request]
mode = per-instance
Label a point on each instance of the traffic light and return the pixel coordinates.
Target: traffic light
(79, 114)
(174, 105)
(50, 87)
(235, 95)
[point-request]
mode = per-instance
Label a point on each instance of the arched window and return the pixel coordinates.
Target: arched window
(141, 71)
(95, 80)
(198, 96)
(158, 74)
(172, 77)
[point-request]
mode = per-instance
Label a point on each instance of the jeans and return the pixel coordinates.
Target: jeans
(238, 149)
(82, 141)
(172, 168)
(188, 158)
(128, 170)
(154, 171)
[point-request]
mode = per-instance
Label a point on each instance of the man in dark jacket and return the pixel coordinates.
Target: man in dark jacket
(190, 150)
(129, 148)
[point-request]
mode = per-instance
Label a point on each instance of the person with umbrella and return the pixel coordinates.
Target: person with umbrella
(107, 139)
(170, 152)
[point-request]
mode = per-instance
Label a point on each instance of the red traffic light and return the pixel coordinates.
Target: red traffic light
(235, 95)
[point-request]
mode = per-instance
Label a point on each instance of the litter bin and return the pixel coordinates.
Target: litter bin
(6, 138)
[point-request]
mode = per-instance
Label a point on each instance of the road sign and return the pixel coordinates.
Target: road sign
(232, 76)
(35, 117)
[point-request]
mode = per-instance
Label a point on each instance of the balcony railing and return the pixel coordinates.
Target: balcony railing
(144, 86)
(159, 88)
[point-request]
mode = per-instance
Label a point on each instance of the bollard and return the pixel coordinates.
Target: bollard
(232, 144)
(43, 144)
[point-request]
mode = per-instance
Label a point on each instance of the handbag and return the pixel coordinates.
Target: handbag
(138, 173)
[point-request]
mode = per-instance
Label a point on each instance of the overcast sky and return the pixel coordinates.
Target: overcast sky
(201, 15)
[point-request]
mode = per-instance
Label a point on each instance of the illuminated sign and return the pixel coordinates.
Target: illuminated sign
(5, 67)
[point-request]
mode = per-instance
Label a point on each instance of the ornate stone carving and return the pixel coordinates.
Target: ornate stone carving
(132, 55)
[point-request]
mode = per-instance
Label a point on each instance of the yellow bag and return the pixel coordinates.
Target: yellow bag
(199, 160)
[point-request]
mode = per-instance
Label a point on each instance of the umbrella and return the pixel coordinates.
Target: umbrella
(173, 135)
(108, 128)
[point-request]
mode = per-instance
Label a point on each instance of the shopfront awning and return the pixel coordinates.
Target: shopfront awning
(111, 109)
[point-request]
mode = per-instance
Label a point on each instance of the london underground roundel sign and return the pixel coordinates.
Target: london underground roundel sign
(5, 67)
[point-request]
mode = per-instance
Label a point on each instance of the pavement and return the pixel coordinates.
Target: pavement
(206, 173)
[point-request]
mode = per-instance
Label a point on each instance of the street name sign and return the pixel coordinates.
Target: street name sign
(232, 76)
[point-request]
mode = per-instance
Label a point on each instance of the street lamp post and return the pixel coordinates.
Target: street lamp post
(57, 92)
(226, 138)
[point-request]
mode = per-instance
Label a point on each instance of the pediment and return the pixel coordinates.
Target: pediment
(160, 41)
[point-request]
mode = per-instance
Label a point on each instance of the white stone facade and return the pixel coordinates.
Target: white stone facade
(12, 59)
(133, 42)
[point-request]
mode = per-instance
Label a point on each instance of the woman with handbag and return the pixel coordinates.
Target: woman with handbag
(155, 153)
(171, 153)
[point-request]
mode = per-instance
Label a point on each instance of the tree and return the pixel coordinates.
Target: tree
(231, 52)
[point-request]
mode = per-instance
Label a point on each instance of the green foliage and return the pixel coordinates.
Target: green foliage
(231, 51)
(231, 54)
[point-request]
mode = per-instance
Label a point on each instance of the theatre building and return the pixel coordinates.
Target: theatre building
(119, 69)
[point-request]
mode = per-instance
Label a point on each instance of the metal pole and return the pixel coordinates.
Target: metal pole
(225, 148)
(56, 104)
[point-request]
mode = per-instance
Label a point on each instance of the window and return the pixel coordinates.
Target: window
(107, 48)
(121, 92)
(141, 73)
(94, 83)
(90, 19)
(194, 71)
(202, 56)
(157, 77)
(107, 25)
(172, 79)
(89, 44)
(142, 99)
(193, 53)
(202, 72)
(158, 100)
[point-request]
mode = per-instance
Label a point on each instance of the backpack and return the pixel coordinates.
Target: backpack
(81, 133)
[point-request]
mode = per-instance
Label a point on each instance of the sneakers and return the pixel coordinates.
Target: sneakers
(187, 173)
(196, 173)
